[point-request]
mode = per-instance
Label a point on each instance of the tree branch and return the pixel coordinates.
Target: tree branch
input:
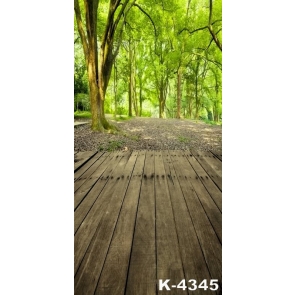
(81, 30)
(191, 32)
(116, 51)
(218, 31)
(218, 64)
(120, 14)
(75, 41)
(218, 20)
(129, 25)
(111, 26)
(215, 38)
(148, 17)
(209, 44)
(188, 7)
(210, 12)
(211, 28)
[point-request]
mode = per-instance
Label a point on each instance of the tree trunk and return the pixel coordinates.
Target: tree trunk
(94, 91)
(162, 95)
(161, 99)
(179, 74)
(161, 110)
(134, 79)
(216, 119)
(140, 97)
(115, 89)
(130, 99)
(197, 98)
(130, 81)
(95, 108)
(135, 96)
(102, 86)
(189, 101)
(210, 116)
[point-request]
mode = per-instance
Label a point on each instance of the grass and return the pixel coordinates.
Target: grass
(132, 136)
(87, 114)
(211, 122)
(183, 139)
(121, 118)
(82, 114)
(111, 146)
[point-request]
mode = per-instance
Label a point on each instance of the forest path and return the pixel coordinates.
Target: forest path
(151, 133)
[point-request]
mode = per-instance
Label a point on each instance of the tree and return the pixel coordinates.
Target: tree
(99, 69)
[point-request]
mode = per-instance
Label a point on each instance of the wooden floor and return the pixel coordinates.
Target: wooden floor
(145, 216)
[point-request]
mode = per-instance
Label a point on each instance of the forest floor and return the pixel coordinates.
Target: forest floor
(150, 133)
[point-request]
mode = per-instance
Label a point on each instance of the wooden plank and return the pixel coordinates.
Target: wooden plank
(105, 175)
(89, 224)
(207, 237)
(217, 154)
(88, 174)
(94, 171)
(214, 162)
(93, 238)
(194, 263)
(119, 159)
(146, 289)
(87, 203)
(210, 207)
(81, 158)
(84, 168)
(80, 123)
(169, 264)
(211, 187)
(114, 273)
(142, 267)
(216, 178)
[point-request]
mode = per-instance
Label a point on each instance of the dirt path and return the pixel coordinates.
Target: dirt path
(151, 133)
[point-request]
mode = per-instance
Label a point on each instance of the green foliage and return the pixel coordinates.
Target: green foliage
(121, 118)
(184, 139)
(146, 113)
(203, 114)
(210, 122)
(132, 136)
(80, 79)
(81, 102)
(80, 73)
(111, 146)
(107, 106)
(82, 114)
